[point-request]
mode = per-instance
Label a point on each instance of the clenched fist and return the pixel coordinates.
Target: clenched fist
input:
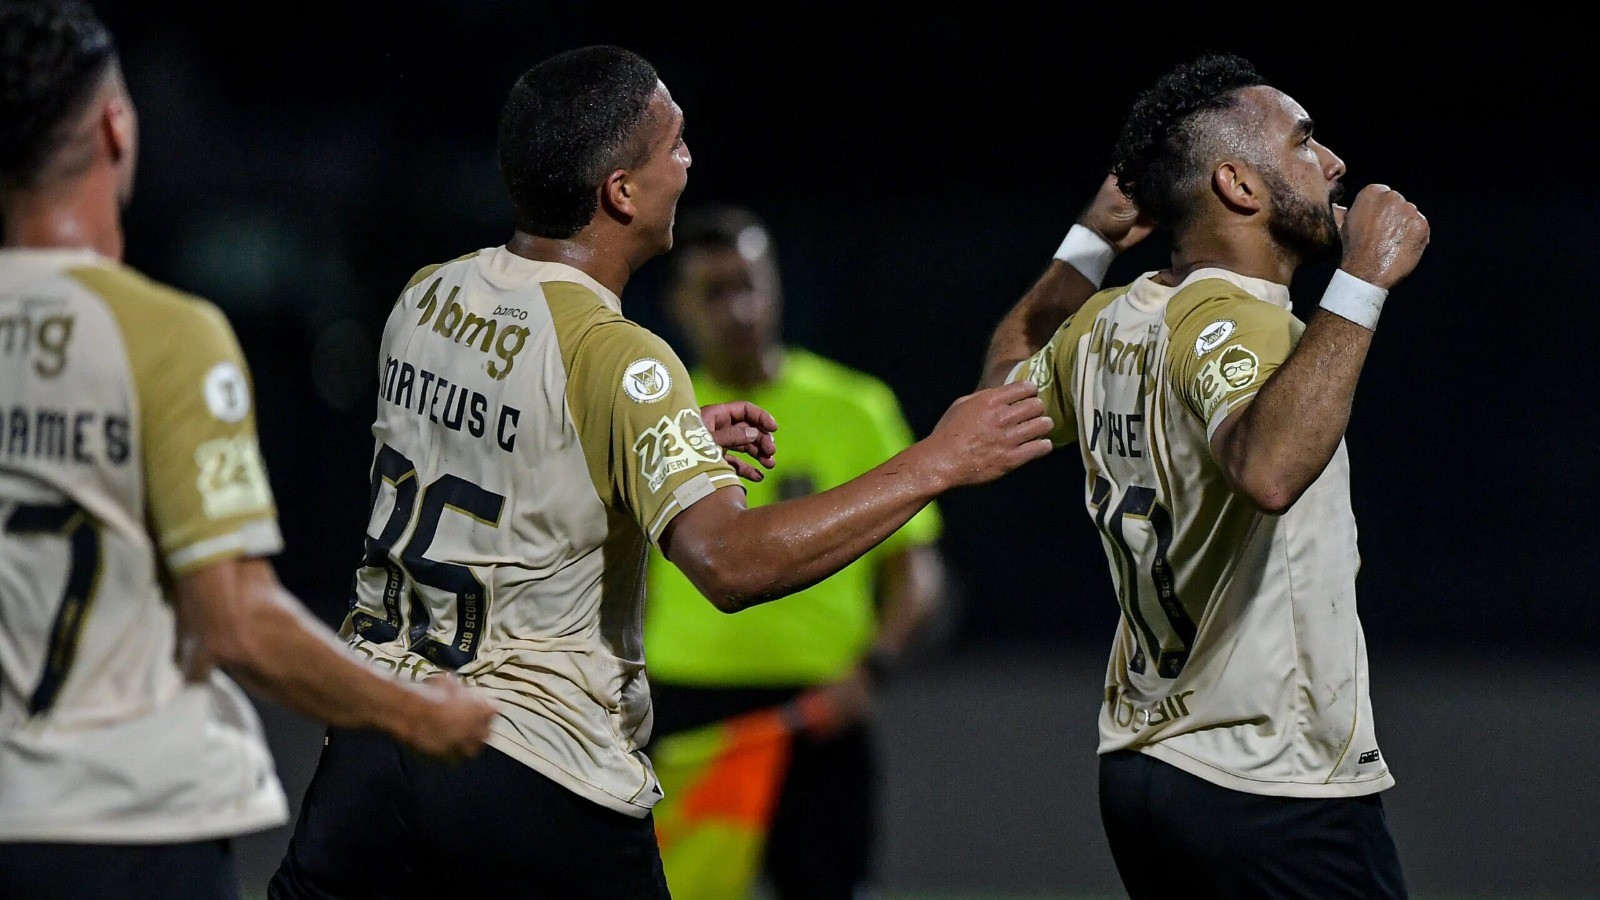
(1384, 235)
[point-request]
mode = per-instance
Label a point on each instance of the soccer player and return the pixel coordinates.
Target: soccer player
(135, 522)
(531, 443)
(1238, 757)
(822, 656)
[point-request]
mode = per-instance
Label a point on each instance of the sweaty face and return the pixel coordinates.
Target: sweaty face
(1302, 177)
(660, 180)
(726, 303)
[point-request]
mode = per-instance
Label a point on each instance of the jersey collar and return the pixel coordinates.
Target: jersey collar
(1260, 288)
(52, 258)
(503, 262)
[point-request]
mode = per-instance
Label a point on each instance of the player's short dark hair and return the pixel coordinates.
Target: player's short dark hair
(568, 122)
(1162, 139)
(53, 54)
(714, 226)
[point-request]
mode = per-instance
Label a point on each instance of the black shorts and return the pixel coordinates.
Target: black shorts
(1176, 835)
(380, 821)
(201, 870)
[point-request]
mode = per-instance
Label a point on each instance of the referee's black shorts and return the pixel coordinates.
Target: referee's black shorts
(380, 821)
(1175, 835)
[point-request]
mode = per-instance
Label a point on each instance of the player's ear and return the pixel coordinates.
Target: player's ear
(618, 193)
(116, 120)
(1236, 185)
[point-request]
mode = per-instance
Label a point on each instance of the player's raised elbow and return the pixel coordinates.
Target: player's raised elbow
(729, 585)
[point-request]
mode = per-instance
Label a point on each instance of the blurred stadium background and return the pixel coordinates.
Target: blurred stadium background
(918, 166)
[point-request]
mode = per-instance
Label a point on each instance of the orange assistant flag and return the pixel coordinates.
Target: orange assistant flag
(720, 786)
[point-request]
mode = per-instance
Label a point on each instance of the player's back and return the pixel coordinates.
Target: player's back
(127, 456)
(1239, 656)
(529, 443)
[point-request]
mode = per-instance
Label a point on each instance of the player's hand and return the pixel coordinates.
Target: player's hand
(988, 433)
(1383, 235)
(743, 427)
(454, 719)
(1114, 217)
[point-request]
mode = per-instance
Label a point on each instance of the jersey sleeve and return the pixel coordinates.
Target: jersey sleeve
(660, 459)
(1049, 371)
(208, 494)
(886, 434)
(1224, 349)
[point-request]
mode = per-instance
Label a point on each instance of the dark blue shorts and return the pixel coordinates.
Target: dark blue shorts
(1176, 835)
(379, 821)
(201, 870)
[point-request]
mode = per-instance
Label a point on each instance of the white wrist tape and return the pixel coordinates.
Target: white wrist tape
(1087, 252)
(1351, 298)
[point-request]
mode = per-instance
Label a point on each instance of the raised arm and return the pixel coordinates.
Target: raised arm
(1109, 225)
(1274, 448)
(739, 556)
(235, 614)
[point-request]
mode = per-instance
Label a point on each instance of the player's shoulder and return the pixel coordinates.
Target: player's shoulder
(149, 309)
(591, 333)
(424, 273)
(1080, 322)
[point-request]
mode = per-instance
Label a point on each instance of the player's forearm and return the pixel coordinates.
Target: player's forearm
(268, 641)
(1059, 292)
(1286, 436)
(767, 552)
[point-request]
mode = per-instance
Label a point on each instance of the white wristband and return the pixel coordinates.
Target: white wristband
(1348, 297)
(1087, 252)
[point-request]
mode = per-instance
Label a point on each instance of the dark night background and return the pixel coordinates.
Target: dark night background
(301, 162)
(918, 167)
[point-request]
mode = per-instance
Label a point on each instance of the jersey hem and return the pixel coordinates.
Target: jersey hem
(148, 832)
(526, 755)
(1233, 781)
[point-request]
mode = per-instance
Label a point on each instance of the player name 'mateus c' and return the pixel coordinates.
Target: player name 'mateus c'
(454, 406)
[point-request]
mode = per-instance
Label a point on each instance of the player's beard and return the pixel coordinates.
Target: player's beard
(1301, 225)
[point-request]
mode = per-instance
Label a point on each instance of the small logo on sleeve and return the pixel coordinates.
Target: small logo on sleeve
(675, 443)
(1371, 756)
(227, 392)
(1239, 366)
(231, 477)
(1213, 336)
(646, 380)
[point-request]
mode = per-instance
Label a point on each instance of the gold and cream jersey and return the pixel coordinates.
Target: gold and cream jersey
(128, 455)
(530, 443)
(1238, 657)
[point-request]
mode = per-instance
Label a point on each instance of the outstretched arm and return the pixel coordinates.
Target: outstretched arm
(1109, 225)
(1274, 448)
(740, 556)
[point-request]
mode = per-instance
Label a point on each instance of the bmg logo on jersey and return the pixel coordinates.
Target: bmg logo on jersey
(462, 327)
(675, 443)
(44, 338)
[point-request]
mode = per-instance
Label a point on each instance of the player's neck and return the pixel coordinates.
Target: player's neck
(82, 216)
(1242, 249)
(592, 258)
